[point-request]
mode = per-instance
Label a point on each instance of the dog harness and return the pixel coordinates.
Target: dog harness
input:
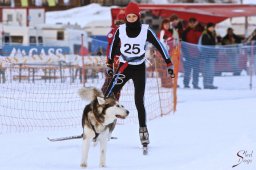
(96, 134)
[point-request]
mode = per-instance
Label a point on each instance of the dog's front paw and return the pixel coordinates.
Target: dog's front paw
(83, 165)
(102, 165)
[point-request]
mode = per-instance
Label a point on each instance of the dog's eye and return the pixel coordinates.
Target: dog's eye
(122, 106)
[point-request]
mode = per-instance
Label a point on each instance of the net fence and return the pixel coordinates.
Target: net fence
(40, 92)
(207, 65)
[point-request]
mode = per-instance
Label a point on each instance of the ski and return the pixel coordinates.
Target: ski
(145, 149)
(69, 138)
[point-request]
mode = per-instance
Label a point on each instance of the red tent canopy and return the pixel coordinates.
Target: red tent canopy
(202, 12)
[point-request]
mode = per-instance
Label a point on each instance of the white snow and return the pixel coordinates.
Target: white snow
(206, 132)
(80, 15)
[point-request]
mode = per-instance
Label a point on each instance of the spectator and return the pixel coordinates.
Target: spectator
(109, 73)
(165, 33)
(191, 54)
(230, 39)
(209, 56)
(177, 25)
(119, 20)
(166, 38)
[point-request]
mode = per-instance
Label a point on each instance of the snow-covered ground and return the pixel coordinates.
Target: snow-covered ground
(207, 132)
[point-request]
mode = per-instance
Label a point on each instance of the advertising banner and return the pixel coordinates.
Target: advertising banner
(19, 51)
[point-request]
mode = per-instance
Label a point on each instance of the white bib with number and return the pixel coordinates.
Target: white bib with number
(133, 47)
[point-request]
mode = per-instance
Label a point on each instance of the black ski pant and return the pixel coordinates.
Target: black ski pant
(138, 75)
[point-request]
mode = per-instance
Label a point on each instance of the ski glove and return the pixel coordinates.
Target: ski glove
(170, 71)
(109, 70)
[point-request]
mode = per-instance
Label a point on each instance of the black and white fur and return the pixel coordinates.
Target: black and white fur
(98, 121)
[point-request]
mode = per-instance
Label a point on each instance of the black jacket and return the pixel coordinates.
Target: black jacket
(208, 38)
(237, 39)
(208, 49)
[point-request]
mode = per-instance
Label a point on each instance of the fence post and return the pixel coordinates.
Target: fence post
(176, 61)
(20, 69)
(61, 75)
(158, 90)
(82, 53)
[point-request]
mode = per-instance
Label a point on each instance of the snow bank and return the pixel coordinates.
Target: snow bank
(80, 15)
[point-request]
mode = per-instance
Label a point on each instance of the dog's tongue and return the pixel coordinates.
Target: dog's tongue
(118, 116)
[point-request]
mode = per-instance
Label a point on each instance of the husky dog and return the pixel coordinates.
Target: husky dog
(98, 121)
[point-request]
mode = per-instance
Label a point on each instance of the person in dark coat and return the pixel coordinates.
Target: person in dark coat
(119, 21)
(209, 55)
(231, 40)
(191, 54)
(176, 24)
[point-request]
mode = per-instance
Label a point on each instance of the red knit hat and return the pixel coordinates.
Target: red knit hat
(132, 8)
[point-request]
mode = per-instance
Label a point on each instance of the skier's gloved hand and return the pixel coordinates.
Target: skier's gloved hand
(170, 71)
(109, 70)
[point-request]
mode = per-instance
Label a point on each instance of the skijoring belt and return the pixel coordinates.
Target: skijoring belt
(132, 59)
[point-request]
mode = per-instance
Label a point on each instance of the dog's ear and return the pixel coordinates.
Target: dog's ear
(101, 100)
